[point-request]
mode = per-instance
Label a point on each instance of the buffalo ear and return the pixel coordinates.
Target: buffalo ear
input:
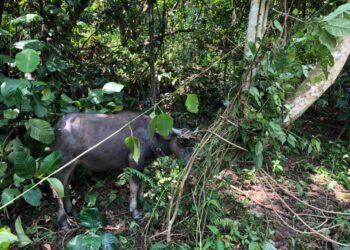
(176, 131)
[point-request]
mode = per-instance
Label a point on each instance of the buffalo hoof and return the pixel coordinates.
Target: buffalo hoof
(136, 215)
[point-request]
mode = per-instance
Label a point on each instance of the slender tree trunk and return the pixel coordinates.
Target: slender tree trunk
(2, 5)
(308, 92)
(153, 81)
(252, 25)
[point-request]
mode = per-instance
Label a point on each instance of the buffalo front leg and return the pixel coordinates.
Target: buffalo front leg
(134, 183)
(65, 204)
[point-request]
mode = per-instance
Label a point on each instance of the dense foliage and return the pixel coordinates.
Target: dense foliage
(106, 56)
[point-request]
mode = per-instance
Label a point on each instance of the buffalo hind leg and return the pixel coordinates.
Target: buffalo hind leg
(65, 205)
(135, 188)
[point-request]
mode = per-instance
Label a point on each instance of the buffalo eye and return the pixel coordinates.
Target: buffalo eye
(182, 142)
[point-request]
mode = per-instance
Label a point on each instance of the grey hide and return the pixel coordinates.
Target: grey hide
(75, 133)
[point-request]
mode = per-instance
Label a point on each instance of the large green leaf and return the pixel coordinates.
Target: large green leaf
(91, 241)
(57, 185)
(192, 103)
(11, 113)
(133, 145)
(33, 197)
(90, 218)
(26, 19)
(22, 237)
(76, 243)
(30, 44)
(112, 87)
(327, 39)
(6, 238)
(27, 60)
(163, 123)
(340, 10)
(9, 87)
(50, 163)
(39, 108)
(8, 194)
(109, 241)
(25, 165)
(337, 31)
(40, 130)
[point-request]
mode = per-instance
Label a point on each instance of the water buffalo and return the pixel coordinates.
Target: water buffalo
(75, 133)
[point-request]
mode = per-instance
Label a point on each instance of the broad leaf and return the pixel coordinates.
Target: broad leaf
(164, 124)
(9, 87)
(337, 31)
(90, 218)
(39, 108)
(133, 145)
(33, 197)
(26, 19)
(57, 185)
(327, 39)
(76, 243)
(90, 199)
(25, 164)
(259, 148)
(278, 25)
(27, 60)
(4, 32)
(40, 130)
(112, 87)
(8, 194)
(11, 113)
(91, 241)
(109, 241)
(192, 103)
(341, 9)
(22, 237)
(6, 238)
(30, 44)
(50, 163)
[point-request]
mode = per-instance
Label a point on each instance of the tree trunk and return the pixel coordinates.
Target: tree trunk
(252, 25)
(153, 82)
(308, 92)
(2, 4)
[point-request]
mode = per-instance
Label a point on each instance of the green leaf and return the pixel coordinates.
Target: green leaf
(11, 113)
(259, 148)
(214, 230)
(268, 246)
(133, 145)
(109, 241)
(278, 25)
(91, 241)
(33, 197)
(25, 164)
(220, 245)
(9, 87)
(8, 194)
(341, 9)
(258, 160)
(152, 125)
(26, 19)
(158, 246)
(327, 39)
(96, 96)
(192, 103)
(27, 60)
(76, 243)
(112, 87)
(254, 246)
(30, 44)
(6, 238)
(337, 31)
(47, 94)
(90, 199)
(57, 185)
(4, 32)
(40, 130)
(50, 163)
(90, 218)
(38, 107)
(164, 124)
(22, 237)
